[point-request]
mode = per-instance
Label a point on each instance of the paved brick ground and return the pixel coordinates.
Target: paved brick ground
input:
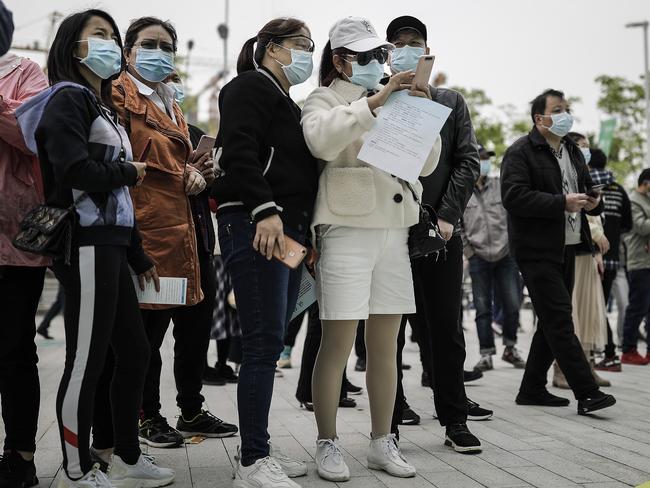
(523, 446)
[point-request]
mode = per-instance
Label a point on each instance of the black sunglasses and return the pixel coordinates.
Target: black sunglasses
(380, 54)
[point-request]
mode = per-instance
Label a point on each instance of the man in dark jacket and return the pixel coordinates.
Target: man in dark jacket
(6, 29)
(547, 191)
(438, 280)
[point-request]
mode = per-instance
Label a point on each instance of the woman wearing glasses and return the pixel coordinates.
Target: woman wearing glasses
(159, 135)
(267, 190)
(361, 221)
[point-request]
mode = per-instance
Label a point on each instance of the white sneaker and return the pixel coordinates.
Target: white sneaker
(292, 467)
(94, 478)
(384, 455)
(329, 461)
(143, 474)
(263, 473)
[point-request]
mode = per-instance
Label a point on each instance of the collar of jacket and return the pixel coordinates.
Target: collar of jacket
(348, 91)
(538, 140)
(268, 74)
(137, 103)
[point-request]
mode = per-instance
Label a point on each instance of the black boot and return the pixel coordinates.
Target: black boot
(15, 472)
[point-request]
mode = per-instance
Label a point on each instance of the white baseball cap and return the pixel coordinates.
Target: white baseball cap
(356, 34)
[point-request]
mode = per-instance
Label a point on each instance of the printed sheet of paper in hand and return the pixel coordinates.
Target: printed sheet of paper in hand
(306, 294)
(402, 139)
(173, 291)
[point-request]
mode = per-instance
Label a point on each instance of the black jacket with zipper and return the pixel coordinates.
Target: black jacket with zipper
(450, 186)
(266, 166)
(531, 192)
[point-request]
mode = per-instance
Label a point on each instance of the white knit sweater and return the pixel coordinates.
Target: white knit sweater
(351, 193)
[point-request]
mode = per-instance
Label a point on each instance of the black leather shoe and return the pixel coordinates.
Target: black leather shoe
(360, 365)
(542, 399)
(473, 375)
(597, 402)
(347, 403)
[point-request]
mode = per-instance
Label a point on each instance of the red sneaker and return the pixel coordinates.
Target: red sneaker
(633, 357)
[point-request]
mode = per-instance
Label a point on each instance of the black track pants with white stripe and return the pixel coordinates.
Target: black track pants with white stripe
(101, 312)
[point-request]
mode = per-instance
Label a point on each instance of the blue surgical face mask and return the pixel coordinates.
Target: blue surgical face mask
(104, 57)
(561, 125)
(154, 64)
(367, 76)
(586, 152)
(301, 67)
(486, 165)
(179, 91)
(405, 58)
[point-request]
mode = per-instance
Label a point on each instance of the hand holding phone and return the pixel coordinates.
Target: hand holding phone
(294, 253)
(423, 72)
(205, 146)
(595, 190)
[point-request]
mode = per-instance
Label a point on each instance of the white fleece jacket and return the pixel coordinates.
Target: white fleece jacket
(351, 193)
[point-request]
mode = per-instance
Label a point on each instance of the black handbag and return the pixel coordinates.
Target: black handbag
(47, 231)
(425, 237)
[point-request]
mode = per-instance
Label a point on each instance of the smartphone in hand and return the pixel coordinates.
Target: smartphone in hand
(595, 190)
(295, 253)
(423, 71)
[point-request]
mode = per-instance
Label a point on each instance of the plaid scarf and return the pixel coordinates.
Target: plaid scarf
(601, 176)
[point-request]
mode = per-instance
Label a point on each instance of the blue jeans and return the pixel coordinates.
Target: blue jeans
(637, 309)
(266, 294)
(488, 279)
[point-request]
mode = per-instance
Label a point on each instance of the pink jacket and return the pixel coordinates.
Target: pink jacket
(21, 188)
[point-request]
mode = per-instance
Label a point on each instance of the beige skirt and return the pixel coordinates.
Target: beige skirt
(589, 313)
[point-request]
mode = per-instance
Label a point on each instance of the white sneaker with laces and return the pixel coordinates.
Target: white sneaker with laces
(94, 478)
(263, 473)
(329, 461)
(384, 454)
(143, 474)
(292, 467)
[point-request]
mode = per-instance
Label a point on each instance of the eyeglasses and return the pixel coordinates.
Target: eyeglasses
(302, 43)
(154, 44)
(380, 54)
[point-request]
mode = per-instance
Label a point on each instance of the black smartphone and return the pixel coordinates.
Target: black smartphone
(595, 190)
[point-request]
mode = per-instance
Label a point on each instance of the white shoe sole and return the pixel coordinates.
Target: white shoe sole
(144, 440)
(204, 434)
(478, 418)
(334, 477)
(464, 450)
(142, 483)
(392, 472)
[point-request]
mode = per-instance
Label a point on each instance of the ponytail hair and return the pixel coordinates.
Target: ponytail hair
(328, 72)
(251, 56)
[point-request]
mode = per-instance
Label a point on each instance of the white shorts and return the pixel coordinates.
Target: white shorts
(363, 271)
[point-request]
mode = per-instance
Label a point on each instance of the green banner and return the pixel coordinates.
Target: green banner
(607, 129)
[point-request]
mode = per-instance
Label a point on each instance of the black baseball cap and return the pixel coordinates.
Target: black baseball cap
(405, 22)
(482, 150)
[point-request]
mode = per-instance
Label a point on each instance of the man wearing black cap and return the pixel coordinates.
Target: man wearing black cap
(438, 281)
(493, 270)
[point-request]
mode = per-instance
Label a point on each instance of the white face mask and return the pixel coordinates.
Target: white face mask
(586, 152)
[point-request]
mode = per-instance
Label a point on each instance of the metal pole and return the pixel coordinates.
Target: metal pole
(225, 41)
(646, 77)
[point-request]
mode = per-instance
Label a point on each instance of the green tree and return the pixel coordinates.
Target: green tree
(490, 131)
(624, 100)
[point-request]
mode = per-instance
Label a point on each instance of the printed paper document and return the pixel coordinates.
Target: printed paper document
(405, 132)
(173, 291)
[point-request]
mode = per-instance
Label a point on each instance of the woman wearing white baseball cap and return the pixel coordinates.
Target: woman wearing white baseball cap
(361, 221)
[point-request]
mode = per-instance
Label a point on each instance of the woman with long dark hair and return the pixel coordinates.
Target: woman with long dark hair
(86, 161)
(361, 218)
(267, 190)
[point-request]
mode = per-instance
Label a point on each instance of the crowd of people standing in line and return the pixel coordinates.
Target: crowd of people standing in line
(104, 132)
